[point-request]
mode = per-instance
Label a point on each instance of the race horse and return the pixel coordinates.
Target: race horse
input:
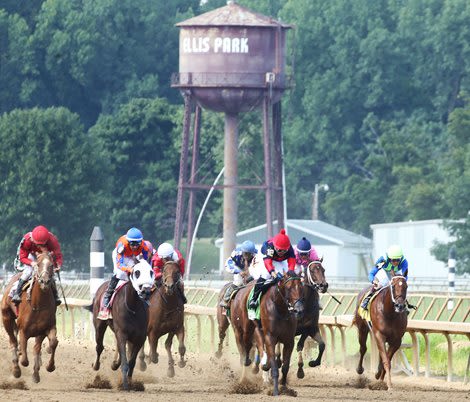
(314, 281)
(166, 316)
(128, 321)
(388, 322)
(34, 317)
(280, 308)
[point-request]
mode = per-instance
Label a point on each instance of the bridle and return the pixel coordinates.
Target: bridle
(290, 306)
(175, 283)
(44, 276)
(316, 264)
(399, 307)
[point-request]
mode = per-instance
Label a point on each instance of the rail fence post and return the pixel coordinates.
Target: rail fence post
(451, 265)
(96, 260)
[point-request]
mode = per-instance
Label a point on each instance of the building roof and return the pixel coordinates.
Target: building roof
(319, 233)
(232, 15)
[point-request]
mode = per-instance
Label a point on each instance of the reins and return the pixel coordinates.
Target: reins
(290, 307)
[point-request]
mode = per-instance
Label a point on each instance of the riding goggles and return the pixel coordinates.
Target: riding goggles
(134, 243)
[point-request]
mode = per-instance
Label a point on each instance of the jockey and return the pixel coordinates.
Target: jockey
(236, 264)
(128, 247)
(392, 262)
(278, 258)
(166, 252)
(37, 241)
(305, 253)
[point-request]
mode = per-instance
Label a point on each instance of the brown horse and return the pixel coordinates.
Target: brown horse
(129, 319)
(314, 281)
(388, 324)
(280, 308)
(36, 317)
(166, 316)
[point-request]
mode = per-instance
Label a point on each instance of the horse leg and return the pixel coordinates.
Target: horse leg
(363, 332)
(53, 342)
(286, 355)
(100, 329)
(121, 343)
(300, 348)
(270, 350)
(181, 347)
(133, 351)
(23, 349)
(278, 355)
(223, 325)
(116, 363)
(142, 364)
(259, 350)
(9, 324)
(171, 362)
(384, 357)
(37, 357)
(153, 343)
(321, 348)
(392, 348)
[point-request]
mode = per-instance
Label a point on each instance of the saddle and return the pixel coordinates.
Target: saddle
(26, 288)
(105, 312)
(365, 314)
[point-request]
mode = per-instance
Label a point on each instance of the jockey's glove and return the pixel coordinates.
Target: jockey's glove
(274, 274)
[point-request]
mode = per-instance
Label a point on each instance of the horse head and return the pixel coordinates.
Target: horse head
(316, 275)
(171, 275)
(44, 270)
(142, 279)
(398, 288)
(291, 289)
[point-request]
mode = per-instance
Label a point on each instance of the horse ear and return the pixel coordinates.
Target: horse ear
(321, 259)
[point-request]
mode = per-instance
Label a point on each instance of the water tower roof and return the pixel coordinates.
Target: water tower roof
(232, 15)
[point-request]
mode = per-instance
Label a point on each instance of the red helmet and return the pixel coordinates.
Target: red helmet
(281, 241)
(40, 235)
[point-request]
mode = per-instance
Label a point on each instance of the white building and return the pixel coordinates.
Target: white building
(416, 238)
(345, 254)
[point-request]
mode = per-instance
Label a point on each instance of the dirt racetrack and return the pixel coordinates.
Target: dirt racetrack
(203, 379)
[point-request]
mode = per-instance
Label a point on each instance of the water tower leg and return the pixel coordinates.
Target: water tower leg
(267, 166)
(230, 181)
(278, 163)
(193, 176)
(183, 169)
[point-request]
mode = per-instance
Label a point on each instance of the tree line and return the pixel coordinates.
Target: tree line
(91, 129)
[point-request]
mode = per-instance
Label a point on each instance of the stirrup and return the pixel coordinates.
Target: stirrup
(104, 314)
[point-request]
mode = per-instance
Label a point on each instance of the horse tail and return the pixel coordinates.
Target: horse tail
(89, 308)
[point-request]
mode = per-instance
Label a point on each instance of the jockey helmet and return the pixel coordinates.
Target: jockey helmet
(134, 235)
(40, 235)
(248, 247)
(281, 241)
(394, 252)
(165, 250)
(304, 246)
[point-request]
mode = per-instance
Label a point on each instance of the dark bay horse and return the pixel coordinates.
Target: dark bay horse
(36, 317)
(129, 319)
(389, 320)
(314, 281)
(166, 316)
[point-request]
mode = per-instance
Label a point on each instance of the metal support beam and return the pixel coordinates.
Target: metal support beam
(278, 156)
(267, 165)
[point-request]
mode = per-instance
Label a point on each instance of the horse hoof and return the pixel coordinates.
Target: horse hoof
(300, 373)
(181, 363)
(96, 366)
(265, 367)
(50, 368)
(255, 370)
(313, 363)
(247, 362)
(360, 370)
(218, 354)
(17, 372)
(36, 378)
(49, 350)
(143, 366)
(170, 372)
(377, 375)
(115, 365)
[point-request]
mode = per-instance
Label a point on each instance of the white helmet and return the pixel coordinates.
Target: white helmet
(165, 250)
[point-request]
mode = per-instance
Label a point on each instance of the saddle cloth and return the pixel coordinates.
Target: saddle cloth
(365, 314)
(254, 314)
(105, 312)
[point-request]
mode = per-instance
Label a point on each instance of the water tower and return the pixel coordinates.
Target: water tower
(231, 60)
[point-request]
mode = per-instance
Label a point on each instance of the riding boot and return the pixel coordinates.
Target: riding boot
(109, 292)
(19, 289)
(253, 304)
(366, 300)
(225, 303)
(180, 288)
(56, 294)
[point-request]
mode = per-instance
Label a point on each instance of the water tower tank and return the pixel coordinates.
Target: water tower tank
(230, 57)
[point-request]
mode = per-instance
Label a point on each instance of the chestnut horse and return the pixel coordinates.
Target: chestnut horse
(280, 308)
(314, 281)
(36, 317)
(129, 319)
(166, 316)
(388, 320)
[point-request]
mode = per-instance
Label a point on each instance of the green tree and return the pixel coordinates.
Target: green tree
(50, 174)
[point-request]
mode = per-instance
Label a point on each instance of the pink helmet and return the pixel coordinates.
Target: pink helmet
(281, 241)
(40, 235)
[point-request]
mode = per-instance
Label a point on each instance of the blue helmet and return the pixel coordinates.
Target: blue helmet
(134, 234)
(303, 246)
(248, 247)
